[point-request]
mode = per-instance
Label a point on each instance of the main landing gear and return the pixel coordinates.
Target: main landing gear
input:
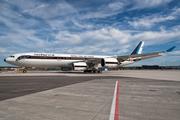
(93, 71)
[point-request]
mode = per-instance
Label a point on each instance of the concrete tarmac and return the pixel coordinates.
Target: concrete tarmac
(143, 94)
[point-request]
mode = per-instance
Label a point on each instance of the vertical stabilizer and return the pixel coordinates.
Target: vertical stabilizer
(138, 49)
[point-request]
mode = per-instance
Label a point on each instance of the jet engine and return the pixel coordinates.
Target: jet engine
(79, 66)
(109, 62)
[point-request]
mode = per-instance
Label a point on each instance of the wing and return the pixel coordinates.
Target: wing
(90, 62)
(93, 62)
(143, 56)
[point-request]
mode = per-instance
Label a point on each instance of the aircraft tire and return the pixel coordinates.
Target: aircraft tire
(100, 71)
(95, 71)
(24, 71)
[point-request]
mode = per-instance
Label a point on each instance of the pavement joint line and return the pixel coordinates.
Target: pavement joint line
(102, 108)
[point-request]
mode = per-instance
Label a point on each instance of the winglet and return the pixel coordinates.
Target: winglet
(170, 49)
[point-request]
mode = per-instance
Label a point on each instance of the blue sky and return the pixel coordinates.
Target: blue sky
(94, 27)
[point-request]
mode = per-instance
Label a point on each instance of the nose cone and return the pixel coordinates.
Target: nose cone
(10, 61)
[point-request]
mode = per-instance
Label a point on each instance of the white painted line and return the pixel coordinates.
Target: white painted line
(114, 114)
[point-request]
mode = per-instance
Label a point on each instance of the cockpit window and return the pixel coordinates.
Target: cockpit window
(23, 57)
(12, 56)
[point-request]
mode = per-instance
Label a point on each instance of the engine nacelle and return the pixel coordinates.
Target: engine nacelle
(109, 62)
(79, 66)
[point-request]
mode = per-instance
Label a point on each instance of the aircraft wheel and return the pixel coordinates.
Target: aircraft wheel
(24, 71)
(100, 71)
(95, 71)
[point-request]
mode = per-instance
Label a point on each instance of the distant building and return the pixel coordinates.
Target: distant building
(173, 67)
(150, 66)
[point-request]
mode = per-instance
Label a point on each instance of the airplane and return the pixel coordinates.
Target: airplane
(86, 63)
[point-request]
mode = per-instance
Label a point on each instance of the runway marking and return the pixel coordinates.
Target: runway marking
(114, 114)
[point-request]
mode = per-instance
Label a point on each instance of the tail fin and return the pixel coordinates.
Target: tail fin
(138, 49)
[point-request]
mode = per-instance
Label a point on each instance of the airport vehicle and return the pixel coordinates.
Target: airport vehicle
(86, 63)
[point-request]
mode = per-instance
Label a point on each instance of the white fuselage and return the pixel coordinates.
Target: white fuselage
(52, 60)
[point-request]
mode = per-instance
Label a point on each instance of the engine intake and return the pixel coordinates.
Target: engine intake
(109, 62)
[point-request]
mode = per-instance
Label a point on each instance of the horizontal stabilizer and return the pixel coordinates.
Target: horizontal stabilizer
(144, 55)
(147, 57)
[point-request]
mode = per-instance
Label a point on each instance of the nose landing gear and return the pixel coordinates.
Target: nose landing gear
(24, 71)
